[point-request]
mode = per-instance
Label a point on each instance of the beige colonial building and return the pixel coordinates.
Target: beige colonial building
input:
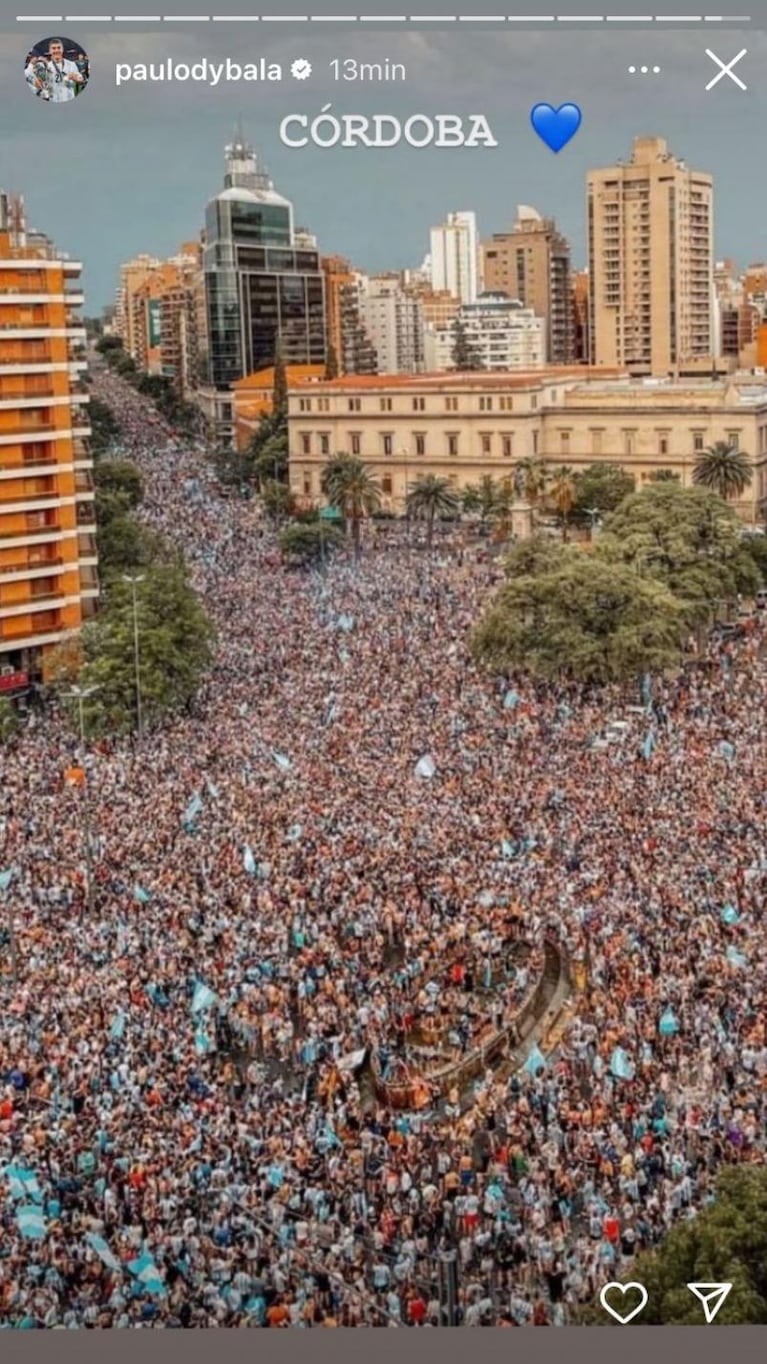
(463, 426)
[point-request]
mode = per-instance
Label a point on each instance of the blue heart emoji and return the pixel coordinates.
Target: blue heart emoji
(555, 127)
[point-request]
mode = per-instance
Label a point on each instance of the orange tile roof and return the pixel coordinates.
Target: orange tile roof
(473, 379)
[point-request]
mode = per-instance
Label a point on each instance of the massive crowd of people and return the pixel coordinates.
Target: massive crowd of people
(187, 1137)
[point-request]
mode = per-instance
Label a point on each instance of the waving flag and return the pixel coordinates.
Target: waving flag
(736, 958)
(726, 750)
(426, 766)
(118, 1025)
(142, 896)
(144, 1269)
(23, 1183)
(203, 998)
(508, 849)
(212, 790)
(202, 1042)
(5, 879)
(536, 1061)
(295, 832)
(105, 1255)
(30, 1221)
(648, 747)
(669, 1024)
(729, 915)
(281, 760)
(345, 623)
(249, 861)
(192, 812)
(621, 1065)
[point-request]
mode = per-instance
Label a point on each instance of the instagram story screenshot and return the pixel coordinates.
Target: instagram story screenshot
(383, 668)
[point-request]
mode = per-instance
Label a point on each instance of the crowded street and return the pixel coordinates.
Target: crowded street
(284, 879)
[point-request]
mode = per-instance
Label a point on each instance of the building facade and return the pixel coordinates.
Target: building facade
(463, 426)
(532, 263)
(651, 263)
(502, 334)
(48, 564)
(455, 259)
(264, 285)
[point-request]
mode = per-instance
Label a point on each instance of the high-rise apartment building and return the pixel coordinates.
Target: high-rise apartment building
(48, 580)
(532, 263)
(394, 322)
(650, 231)
(263, 281)
(339, 275)
(455, 264)
(498, 330)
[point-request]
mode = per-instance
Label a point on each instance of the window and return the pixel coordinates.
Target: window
(564, 442)
(324, 444)
(385, 404)
(304, 404)
(307, 484)
(306, 443)
(452, 443)
(323, 404)
(697, 442)
(485, 404)
(535, 442)
(355, 442)
(355, 405)
(386, 484)
(451, 404)
(663, 443)
(596, 441)
(419, 404)
(733, 439)
(534, 401)
(420, 445)
(507, 404)
(629, 442)
(487, 443)
(387, 443)
(507, 446)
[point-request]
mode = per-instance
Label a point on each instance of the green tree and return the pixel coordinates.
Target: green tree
(175, 650)
(278, 499)
(723, 469)
(586, 620)
(308, 545)
(271, 463)
(664, 476)
(601, 487)
(120, 476)
(531, 477)
(430, 497)
(536, 555)
(466, 357)
(724, 1243)
(105, 429)
(125, 545)
(561, 494)
(481, 497)
(348, 485)
(9, 720)
(686, 537)
(109, 344)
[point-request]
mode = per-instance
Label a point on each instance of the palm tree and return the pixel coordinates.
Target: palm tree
(562, 493)
(481, 497)
(530, 479)
(723, 469)
(430, 497)
(348, 485)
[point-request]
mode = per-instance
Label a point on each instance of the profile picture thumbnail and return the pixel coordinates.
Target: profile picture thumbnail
(57, 70)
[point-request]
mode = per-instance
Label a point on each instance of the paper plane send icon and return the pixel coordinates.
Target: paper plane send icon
(711, 1296)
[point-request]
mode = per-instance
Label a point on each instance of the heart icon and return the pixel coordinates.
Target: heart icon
(623, 1289)
(556, 127)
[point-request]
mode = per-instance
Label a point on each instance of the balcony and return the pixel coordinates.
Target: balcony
(86, 515)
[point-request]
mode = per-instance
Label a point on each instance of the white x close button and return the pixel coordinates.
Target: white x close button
(725, 69)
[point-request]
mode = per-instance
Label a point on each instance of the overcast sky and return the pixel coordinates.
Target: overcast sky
(128, 170)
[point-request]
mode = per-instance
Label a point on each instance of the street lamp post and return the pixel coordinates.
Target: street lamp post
(80, 696)
(134, 579)
(593, 515)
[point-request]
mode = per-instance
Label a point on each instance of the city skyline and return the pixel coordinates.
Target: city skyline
(337, 192)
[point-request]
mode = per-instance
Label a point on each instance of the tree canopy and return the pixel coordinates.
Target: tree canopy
(430, 497)
(349, 485)
(583, 619)
(310, 544)
(723, 469)
(465, 356)
(601, 487)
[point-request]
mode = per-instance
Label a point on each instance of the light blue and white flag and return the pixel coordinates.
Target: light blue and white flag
(295, 832)
(23, 1183)
(536, 1061)
(103, 1251)
(192, 811)
(508, 849)
(142, 896)
(669, 1024)
(203, 998)
(646, 689)
(281, 760)
(212, 790)
(30, 1221)
(202, 1042)
(144, 1269)
(249, 861)
(648, 747)
(118, 1025)
(729, 915)
(345, 623)
(511, 700)
(5, 879)
(726, 750)
(736, 958)
(426, 766)
(621, 1065)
